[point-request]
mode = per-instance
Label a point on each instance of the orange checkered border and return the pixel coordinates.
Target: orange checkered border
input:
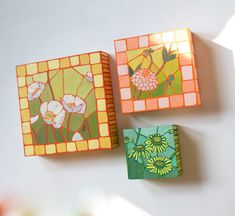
(190, 96)
(99, 62)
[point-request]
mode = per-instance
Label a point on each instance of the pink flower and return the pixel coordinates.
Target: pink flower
(144, 80)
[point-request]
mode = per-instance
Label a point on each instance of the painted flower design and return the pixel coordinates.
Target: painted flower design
(52, 113)
(139, 151)
(156, 143)
(74, 104)
(35, 90)
(89, 77)
(159, 165)
(144, 80)
(33, 119)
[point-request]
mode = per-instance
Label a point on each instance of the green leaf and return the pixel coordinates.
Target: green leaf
(84, 130)
(42, 135)
(93, 125)
(51, 135)
(159, 91)
(171, 57)
(46, 95)
(164, 54)
(34, 107)
(75, 121)
(38, 124)
(59, 135)
(131, 72)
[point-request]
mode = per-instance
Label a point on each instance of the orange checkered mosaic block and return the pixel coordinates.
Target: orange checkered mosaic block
(66, 105)
(157, 71)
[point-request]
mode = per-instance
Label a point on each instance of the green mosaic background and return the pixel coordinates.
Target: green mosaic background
(153, 152)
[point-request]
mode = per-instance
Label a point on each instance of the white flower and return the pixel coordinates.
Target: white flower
(89, 76)
(77, 136)
(53, 113)
(35, 90)
(34, 118)
(144, 80)
(74, 104)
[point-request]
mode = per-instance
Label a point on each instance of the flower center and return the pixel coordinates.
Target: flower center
(71, 105)
(49, 116)
(146, 73)
(159, 164)
(157, 140)
(139, 147)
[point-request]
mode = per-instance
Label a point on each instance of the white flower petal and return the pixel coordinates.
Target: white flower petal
(55, 107)
(59, 119)
(77, 136)
(67, 108)
(33, 119)
(43, 108)
(80, 105)
(35, 90)
(89, 76)
(32, 87)
(30, 97)
(68, 99)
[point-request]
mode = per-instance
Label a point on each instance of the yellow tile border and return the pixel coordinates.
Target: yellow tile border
(45, 66)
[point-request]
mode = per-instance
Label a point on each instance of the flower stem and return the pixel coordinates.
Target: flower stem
(68, 123)
(139, 94)
(136, 169)
(35, 135)
(143, 170)
(49, 83)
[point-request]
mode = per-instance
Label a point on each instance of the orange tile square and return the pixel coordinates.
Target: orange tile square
(151, 104)
(127, 106)
(132, 43)
(124, 81)
(142, 71)
(188, 86)
(176, 100)
(121, 58)
(155, 39)
(185, 59)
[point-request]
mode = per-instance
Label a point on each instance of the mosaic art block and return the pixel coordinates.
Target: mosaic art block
(66, 105)
(157, 71)
(152, 152)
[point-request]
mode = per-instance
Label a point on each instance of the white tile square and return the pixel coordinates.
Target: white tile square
(125, 93)
(187, 72)
(120, 45)
(163, 102)
(139, 105)
(190, 99)
(122, 70)
(143, 41)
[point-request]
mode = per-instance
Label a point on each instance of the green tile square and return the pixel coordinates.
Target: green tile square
(152, 152)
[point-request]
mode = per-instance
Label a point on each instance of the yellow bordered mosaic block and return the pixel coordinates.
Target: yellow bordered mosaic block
(66, 105)
(157, 71)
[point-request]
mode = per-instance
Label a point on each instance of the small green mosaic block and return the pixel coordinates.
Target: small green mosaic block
(153, 152)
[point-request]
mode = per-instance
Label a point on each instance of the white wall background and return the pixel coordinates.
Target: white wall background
(96, 184)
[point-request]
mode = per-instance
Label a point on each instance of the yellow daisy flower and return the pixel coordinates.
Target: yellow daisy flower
(159, 165)
(139, 151)
(157, 143)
